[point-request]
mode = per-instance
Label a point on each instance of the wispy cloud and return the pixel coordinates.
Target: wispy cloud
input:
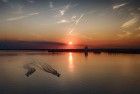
(119, 6)
(62, 12)
(31, 14)
(5, 1)
(76, 22)
(63, 21)
(16, 18)
(124, 35)
(22, 17)
(65, 9)
(73, 18)
(31, 1)
(51, 4)
(129, 23)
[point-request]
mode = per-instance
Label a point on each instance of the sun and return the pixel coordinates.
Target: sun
(70, 43)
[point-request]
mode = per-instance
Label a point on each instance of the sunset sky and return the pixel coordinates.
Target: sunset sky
(111, 23)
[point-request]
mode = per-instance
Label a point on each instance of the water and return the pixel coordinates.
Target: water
(80, 73)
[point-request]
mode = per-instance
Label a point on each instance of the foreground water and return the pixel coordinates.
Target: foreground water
(80, 73)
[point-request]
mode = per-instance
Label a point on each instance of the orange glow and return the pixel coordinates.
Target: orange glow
(70, 58)
(70, 43)
(71, 66)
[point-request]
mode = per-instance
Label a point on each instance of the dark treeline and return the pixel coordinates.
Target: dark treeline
(95, 50)
(109, 50)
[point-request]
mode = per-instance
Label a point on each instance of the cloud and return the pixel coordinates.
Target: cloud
(31, 14)
(31, 1)
(21, 17)
(51, 4)
(129, 23)
(16, 18)
(62, 12)
(73, 18)
(71, 30)
(124, 35)
(5, 1)
(76, 22)
(64, 9)
(119, 6)
(62, 21)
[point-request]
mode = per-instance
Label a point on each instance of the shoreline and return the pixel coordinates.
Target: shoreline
(94, 50)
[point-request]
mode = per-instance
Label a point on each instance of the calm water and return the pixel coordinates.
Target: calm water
(93, 74)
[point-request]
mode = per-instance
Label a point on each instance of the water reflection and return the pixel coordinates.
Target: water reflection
(101, 74)
(86, 54)
(31, 68)
(71, 65)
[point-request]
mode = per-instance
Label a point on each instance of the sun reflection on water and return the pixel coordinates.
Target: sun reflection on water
(71, 65)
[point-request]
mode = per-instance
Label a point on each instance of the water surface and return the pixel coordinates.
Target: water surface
(80, 73)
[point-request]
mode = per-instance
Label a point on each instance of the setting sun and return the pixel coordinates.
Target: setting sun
(70, 43)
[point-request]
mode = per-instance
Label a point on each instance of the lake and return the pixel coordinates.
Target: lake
(80, 73)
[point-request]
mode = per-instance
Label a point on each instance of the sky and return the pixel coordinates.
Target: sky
(99, 23)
